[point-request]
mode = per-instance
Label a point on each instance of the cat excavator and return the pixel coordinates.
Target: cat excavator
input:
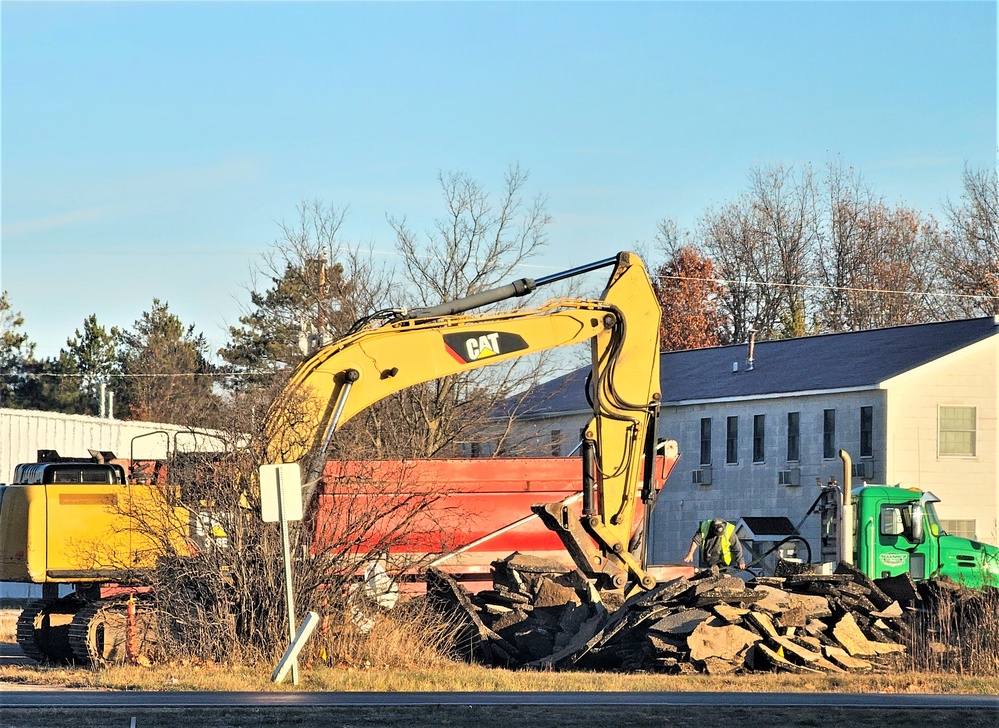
(72, 531)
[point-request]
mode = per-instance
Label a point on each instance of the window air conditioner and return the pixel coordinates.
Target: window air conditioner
(789, 477)
(701, 477)
(863, 469)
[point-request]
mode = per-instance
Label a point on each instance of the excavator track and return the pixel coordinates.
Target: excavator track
(26, 622)
(43, 629)
(98, 633)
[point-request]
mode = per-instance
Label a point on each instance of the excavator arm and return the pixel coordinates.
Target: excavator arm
(342, 379)
(619, 439)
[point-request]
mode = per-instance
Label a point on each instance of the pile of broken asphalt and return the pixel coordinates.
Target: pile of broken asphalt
(542, 616)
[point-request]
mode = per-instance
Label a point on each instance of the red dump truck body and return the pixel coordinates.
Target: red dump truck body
(463, 513)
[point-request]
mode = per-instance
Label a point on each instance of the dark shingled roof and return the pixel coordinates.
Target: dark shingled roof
(562, 394)
(827, 362)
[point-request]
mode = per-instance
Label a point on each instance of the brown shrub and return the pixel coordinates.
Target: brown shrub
(412, 636)
(954, 629)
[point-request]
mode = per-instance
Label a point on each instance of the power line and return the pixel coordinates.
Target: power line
(715, 281)
(58, 375)
(826, 287)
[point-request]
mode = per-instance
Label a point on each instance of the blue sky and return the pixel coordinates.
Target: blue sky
(151, 149)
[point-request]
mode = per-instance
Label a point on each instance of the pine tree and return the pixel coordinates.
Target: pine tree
(16, 352)
(165, 374)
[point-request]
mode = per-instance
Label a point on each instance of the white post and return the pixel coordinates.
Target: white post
(291, 654)
(289, 590)
(281, 501)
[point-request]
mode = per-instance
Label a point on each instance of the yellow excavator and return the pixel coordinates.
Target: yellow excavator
(67, 523)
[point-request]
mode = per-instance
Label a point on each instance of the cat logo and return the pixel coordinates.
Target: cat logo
(469, 347)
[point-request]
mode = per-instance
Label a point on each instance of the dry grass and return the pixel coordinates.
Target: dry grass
(8, 625)
(411, 636)
(955, 631)
(464, 678)
(406, 652)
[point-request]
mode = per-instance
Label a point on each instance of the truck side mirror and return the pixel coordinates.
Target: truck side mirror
(917, 523)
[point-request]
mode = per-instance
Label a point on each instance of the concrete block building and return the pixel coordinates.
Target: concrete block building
(913, 405)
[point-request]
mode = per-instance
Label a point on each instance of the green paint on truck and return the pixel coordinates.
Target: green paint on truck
(897, 531)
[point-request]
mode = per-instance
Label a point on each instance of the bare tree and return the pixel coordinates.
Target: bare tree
(475, 245)
(225, 599)
(969, 257)
(874, 259)
(309, 289)
(764, 246)
(317, 285)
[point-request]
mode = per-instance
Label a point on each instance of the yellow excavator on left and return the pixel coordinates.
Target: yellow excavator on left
(82, 523)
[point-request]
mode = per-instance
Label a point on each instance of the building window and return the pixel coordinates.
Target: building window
(957, 431)
(963, 527)
(556, 443)
(829, 434)
(732, 441)
(759, 437)
(793, 437)
(866, 432)
(705, 441)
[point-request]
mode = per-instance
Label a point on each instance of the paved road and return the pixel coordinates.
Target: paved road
(107, 699)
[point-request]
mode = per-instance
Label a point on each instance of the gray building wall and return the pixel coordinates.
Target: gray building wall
(556, 436)
(911, 377)
(749, 488)
(904, 451)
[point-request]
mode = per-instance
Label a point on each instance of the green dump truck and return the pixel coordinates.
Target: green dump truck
(895, 531)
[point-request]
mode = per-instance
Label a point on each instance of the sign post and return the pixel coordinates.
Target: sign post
(291, 654)
(281, 500)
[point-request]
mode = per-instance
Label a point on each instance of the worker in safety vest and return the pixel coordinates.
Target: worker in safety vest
(718, 544)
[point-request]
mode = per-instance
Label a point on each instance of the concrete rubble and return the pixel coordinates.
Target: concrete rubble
(543, 616)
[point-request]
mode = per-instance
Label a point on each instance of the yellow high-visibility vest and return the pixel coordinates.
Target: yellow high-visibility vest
(726, 540)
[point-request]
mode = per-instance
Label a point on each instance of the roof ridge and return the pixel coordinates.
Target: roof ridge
(827, 334)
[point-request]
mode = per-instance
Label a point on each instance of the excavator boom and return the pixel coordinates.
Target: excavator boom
(74, 521)
(342, 379)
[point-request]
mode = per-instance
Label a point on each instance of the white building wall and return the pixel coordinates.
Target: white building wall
(967, 486)
(24, 432)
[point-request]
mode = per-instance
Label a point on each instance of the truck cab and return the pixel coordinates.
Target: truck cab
(897, 532)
